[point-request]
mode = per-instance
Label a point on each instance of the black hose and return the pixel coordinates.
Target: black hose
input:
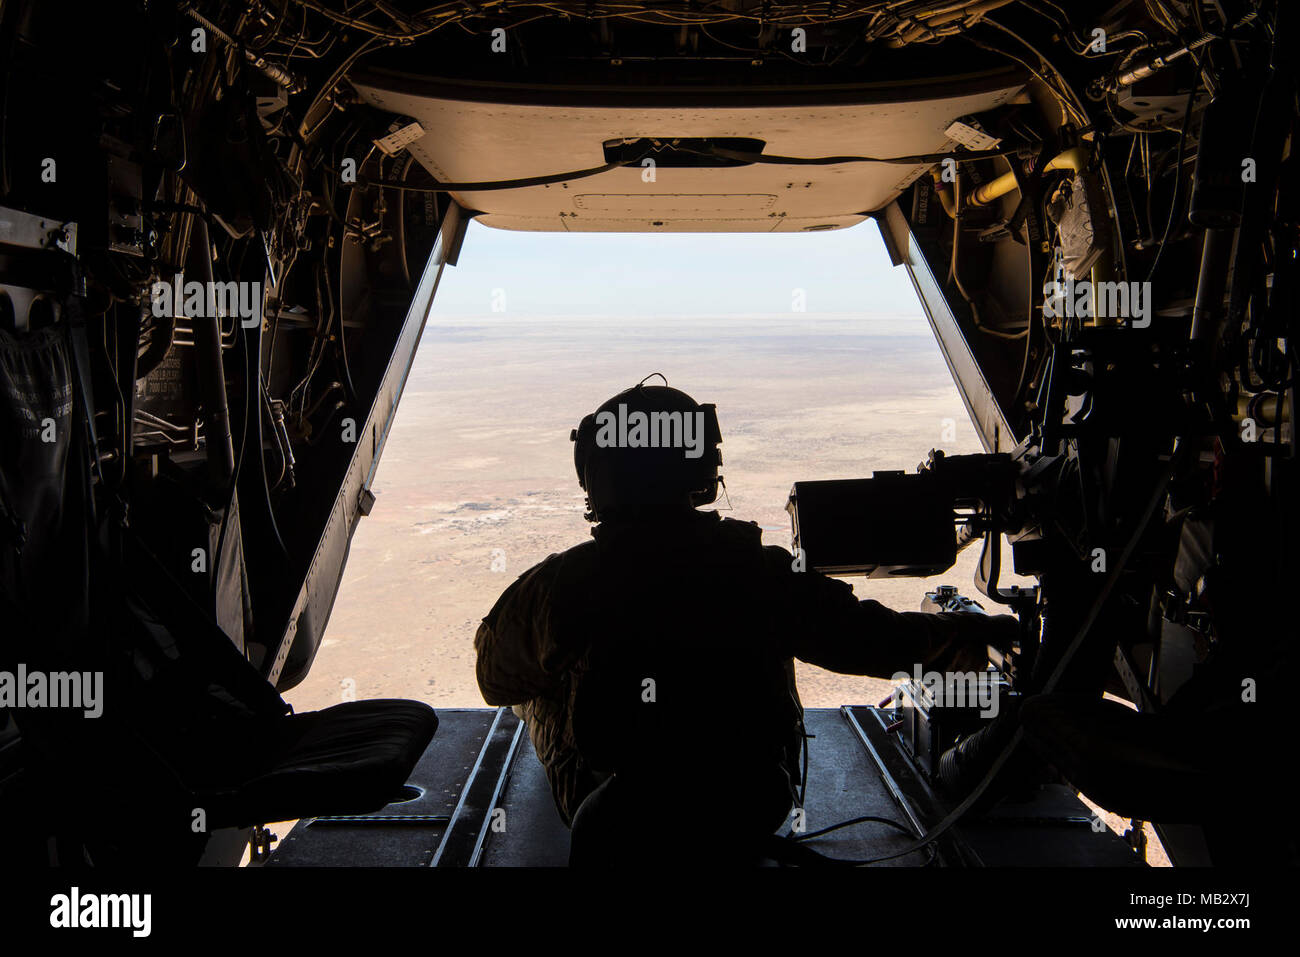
(160, 343)
(1174, 203)
(209, 364)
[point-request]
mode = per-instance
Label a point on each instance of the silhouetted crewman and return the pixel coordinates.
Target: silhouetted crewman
(654, 664)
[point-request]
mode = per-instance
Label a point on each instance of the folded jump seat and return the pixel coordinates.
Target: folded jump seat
(351, 758)
(242, 754)
(189, 723)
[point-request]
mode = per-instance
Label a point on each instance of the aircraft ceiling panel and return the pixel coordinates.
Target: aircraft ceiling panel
(475, 141)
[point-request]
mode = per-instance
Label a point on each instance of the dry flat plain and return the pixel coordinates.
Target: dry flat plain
(476, 483)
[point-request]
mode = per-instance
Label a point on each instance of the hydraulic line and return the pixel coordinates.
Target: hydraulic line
(1073, 159)
(913, 160)
(211, 371)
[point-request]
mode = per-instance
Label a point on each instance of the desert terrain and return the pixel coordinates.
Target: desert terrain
(476, 483)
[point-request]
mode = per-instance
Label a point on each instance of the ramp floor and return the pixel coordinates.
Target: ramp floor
(478, 797)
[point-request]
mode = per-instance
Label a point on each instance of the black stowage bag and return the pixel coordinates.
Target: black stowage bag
(43, 510)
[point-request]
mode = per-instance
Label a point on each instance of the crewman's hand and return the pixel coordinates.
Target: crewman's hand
(971, 651)
(968, 650)
(1003, 631)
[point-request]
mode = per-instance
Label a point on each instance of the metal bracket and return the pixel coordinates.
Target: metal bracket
(259, 844)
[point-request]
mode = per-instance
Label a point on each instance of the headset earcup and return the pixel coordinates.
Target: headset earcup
(711, 460)
(583, 438)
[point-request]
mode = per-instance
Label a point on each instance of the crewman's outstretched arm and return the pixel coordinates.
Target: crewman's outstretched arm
(831, 628)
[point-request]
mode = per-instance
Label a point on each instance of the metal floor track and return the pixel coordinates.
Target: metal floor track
(478, 798)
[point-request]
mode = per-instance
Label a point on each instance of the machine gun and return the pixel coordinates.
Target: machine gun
(898, 524)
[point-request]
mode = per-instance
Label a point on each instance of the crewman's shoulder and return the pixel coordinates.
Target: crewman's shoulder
(739, 530)
(578, 561)
(536, 583)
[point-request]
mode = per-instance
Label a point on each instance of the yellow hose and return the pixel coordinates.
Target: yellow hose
(1074, 159)
(1266, 408)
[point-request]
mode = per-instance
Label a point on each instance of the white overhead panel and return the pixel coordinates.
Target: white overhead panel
(469, 139)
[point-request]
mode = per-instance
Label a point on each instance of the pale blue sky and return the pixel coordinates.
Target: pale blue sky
(583, 274)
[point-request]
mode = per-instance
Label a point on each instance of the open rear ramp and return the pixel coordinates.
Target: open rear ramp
(479, 798)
